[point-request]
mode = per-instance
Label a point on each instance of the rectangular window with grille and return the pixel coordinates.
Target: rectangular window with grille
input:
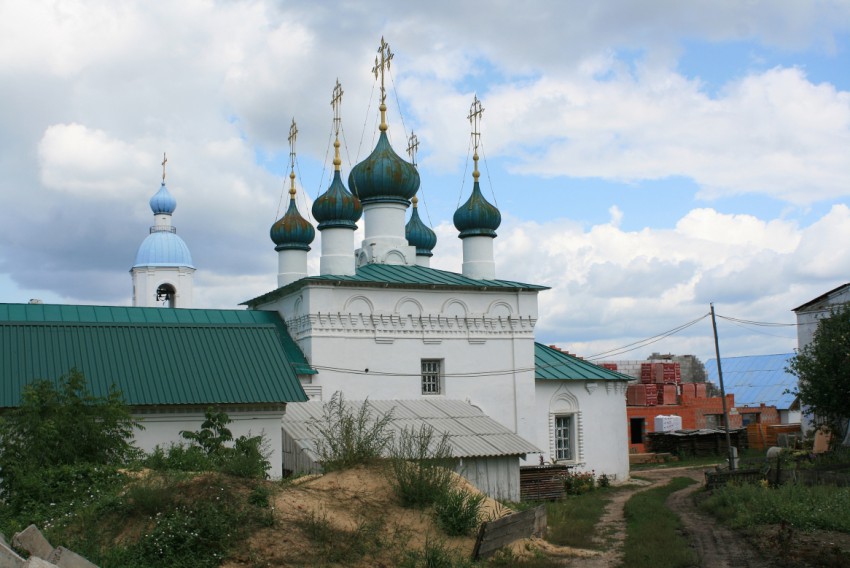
(430, 376)
(563, 438)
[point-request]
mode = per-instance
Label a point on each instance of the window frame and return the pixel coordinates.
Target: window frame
(431, 380)
(570, 438)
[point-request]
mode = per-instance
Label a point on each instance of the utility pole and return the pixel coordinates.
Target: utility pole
(729, 448)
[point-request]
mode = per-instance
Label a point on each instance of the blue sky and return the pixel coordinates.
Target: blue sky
(648, 157)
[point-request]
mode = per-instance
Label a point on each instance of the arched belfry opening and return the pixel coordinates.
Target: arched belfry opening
(166, 295)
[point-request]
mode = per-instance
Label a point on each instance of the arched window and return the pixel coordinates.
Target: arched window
(167, 294)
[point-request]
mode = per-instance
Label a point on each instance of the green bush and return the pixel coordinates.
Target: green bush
(579, 482)
(58, 425)
(208, 451)
(457, 511)
(421, 466)
(346, 438)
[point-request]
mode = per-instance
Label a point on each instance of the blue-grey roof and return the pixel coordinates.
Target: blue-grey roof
(399, 276)
(163, 248)
(471, 433)
(756, 379)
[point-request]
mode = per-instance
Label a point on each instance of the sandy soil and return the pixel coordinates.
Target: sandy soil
(351, 497)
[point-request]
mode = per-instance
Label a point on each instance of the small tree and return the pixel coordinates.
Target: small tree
(823, 370)
(60, 425)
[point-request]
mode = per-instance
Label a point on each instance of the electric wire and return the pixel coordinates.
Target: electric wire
(644, 342)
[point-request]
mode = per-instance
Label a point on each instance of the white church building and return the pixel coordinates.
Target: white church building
(456, 350)
(377, 322)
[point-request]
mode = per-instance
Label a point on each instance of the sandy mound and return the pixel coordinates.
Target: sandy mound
(345, 500)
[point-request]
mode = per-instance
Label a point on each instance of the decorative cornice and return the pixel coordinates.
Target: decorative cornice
(431, 327)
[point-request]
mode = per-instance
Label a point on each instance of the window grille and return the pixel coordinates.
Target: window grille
(430, 376)
(563, 438)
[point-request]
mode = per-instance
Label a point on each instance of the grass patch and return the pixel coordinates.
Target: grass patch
(335, 544)
(652, 537)
(804, 508)
(572, 521)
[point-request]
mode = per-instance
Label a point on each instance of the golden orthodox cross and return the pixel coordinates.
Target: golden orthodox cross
(381, 64)
(164, 159)
(412, 147)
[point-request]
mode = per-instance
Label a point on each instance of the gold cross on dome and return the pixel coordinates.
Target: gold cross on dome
(164, 159)
(336, 101)
(293, 134)
(475, 112)
(381, 64)
(412, 147)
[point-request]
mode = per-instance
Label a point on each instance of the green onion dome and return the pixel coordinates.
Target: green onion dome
(477, 216)
(337, 207)
(418, 234)
(292, 231)
(384, 177)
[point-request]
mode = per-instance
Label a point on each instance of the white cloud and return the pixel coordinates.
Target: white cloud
(93, 92)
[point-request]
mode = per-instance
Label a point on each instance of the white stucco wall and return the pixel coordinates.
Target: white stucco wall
(369, 342)
(599, 410)
(164, 429)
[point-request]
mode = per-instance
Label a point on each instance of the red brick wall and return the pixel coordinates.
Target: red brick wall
(693, 412)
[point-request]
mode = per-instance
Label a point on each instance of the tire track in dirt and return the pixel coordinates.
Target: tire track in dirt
(715, 545)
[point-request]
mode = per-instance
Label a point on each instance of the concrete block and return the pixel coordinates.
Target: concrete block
(65, 558)
(8, 557)
(31, 540)
(36, 562)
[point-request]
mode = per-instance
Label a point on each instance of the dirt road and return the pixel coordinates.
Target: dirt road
(716, 546)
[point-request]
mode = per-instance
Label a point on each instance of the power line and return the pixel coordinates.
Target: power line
(644, 342)
(757, 323)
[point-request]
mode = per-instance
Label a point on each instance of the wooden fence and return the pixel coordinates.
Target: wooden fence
(493, 535)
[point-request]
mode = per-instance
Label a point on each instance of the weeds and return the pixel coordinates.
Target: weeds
(802, 507)
(573, 521)
(421, 467)
(340, 545)
(457, 511)
(346, 438)
(435, 554)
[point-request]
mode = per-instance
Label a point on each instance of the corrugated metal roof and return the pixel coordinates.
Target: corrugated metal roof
(756, 379)
(556, 365)
(471, 432)
(399, 276)
(155, 356)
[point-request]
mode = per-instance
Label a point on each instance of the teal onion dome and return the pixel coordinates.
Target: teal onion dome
(477, 216)
(384, 177)
(292, 231)
(419, 235)
(163, 203)
(337, 207)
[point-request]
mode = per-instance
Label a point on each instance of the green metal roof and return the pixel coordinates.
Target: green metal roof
(155, 356)
(552, 364)
(399, 276)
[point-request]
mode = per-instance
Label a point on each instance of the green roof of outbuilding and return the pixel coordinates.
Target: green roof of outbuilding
(155, 356)
(399, 276)
(552, 364)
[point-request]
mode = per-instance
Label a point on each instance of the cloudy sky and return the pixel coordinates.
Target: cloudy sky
(648, 157)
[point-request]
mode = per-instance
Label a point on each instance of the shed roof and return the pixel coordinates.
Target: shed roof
(399, 276)
(471, 432)
(756, 379)
(155, 356)
(553, 364)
